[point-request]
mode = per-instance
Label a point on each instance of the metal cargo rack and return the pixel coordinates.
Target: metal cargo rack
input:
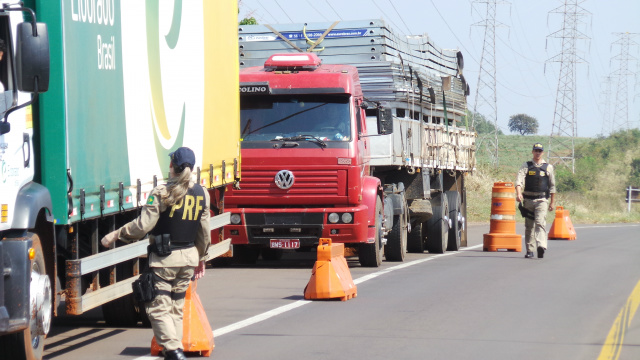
(410, 75)
(406, 73)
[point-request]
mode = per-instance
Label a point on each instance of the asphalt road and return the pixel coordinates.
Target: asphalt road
(578, 302)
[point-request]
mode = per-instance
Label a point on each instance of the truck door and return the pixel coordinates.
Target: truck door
(363, 141)
(16, 167)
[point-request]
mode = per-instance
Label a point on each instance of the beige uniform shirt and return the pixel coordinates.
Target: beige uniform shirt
(138, 228)
(522, 173)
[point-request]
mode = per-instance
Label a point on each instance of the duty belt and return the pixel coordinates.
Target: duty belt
(534, 195)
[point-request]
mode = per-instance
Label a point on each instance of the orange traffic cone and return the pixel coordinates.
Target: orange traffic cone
(330, 277)
(562, 228)
(197, 336)
(502, 230)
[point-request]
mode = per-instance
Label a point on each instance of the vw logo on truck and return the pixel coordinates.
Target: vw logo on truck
(284, 179)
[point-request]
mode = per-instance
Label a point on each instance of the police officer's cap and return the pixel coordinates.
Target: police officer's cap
(181, 158)
(538, 146)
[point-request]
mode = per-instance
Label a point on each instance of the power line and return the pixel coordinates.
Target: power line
(316, 10)
(382, 12)
(277, 3)
(265, 9)
(334, 10)
(516, 52)
(401, 19)
(454, 34)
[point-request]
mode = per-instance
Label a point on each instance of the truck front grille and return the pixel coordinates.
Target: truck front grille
(306, 183)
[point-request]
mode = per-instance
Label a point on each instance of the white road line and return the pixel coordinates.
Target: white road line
(294, 305)
(406, 265)
(604, 226)
(258, 318)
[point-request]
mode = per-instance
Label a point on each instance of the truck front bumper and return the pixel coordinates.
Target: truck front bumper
(308, 225)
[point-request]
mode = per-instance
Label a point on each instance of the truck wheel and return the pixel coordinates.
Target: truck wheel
(438, 225)
(271, 254)
(144, 317)
(29, 343)
(455, 214)
(415, 239)
(397, 239)
(370, 255)
(123, 311)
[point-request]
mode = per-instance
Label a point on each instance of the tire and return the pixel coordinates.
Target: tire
(123, 311)
(455, 214)
(370, 255)
(415, 239)
(437, 225)
(271, 254)
(24, 345)
(144, 318)
(396, 245)
(245, 254)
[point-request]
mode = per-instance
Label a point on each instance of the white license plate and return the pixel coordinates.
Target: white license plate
(285, 243)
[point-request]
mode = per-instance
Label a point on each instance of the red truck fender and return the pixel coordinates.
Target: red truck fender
(371, 189)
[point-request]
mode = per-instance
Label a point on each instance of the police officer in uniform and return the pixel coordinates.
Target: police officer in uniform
(176, 216)
(537, 178)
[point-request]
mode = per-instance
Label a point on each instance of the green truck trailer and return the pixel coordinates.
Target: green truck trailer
(127, 84)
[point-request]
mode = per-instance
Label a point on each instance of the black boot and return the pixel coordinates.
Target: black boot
(540, 252)
(176, 354)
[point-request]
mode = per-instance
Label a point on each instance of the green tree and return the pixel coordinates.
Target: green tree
(523, 124)
(249, 21)
(481, 124)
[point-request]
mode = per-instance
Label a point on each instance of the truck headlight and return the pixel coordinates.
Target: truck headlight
(333, 218)
(347, 217)
(235, 219)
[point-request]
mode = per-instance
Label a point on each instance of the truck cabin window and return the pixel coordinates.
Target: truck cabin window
(269, 117)
(3, 51)
(6, 65)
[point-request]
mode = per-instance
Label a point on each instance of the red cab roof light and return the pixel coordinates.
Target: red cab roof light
(301, 61)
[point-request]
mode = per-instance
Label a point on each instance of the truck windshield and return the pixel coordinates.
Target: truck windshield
(273, 117)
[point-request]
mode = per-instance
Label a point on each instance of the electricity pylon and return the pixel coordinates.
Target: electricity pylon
(565, 124)
(622, 73)
(486, 95)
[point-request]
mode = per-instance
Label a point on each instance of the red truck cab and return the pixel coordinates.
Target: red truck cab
(305, 157)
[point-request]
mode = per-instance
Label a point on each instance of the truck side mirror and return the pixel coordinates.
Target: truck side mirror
(32, 57)
(385, 121)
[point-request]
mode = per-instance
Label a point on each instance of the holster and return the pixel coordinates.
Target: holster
(526, 213)
(144, 287)
(161, 245)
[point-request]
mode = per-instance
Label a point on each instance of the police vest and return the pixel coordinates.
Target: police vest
(537, 180)
(182, 220)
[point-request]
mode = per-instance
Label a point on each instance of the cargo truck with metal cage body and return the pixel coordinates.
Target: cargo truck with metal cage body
(129, 83)
(353, 133)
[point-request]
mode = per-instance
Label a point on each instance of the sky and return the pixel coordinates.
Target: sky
(526, 82)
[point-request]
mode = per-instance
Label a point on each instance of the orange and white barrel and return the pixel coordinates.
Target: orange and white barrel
(502, 229)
